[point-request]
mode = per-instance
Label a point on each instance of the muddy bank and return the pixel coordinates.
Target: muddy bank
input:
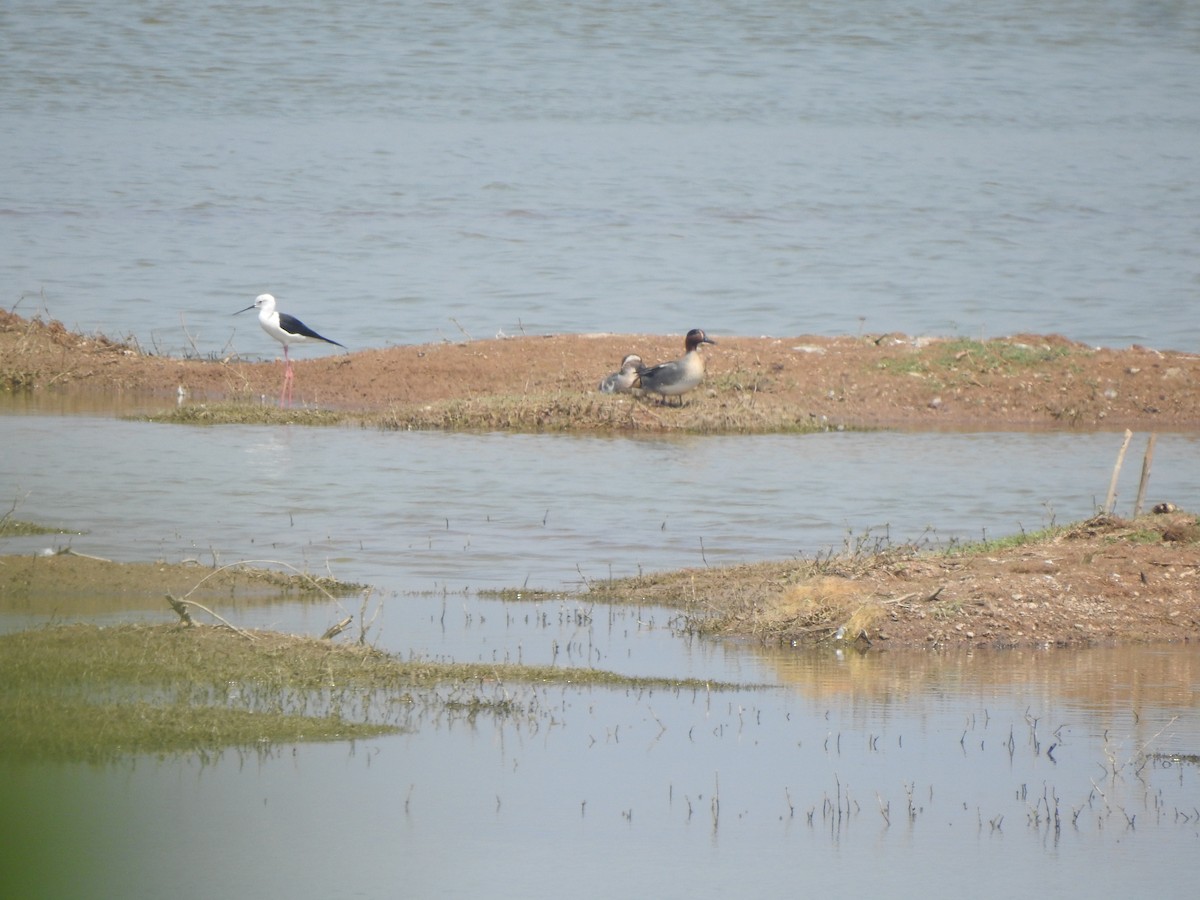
(753, 383)
(1101, 582)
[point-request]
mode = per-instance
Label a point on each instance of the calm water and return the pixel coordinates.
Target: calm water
(757, 790)
(898, 773)
(413, 511)
(402, 172)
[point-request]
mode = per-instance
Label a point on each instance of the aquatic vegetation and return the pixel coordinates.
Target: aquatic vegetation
(88, 692)
(37, 584)
(10, 527)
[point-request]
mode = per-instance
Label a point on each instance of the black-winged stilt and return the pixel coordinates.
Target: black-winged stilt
(287, 330)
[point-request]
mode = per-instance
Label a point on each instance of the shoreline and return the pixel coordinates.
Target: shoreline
(548, 383)
(1103, 580)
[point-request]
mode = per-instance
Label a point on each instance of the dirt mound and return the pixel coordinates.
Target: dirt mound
(753, 384)
(1105, 580)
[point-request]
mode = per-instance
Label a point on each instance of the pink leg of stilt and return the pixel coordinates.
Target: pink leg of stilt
(285, 398)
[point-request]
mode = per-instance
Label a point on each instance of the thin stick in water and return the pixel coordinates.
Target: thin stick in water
(1147, 460)
(1112, 485)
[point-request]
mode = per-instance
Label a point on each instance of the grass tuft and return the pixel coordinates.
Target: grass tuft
(704, 413)
(978, 357)
(94, 693)
(244, 414)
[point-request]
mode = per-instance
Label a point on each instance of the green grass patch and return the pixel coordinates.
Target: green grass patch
(93, 693)
(67, 583)
(1001, 544)
(79, 731)
(977, 356)
(17, 528)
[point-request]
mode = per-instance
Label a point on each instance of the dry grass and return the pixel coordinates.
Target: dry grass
(773, 602)
(574, 412)
(247, 413)
(548, 382)
(1102, 580)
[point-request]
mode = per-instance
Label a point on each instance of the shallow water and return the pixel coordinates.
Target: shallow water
(409, 172)
(881, 769)
(1025, 770)
(418, 511)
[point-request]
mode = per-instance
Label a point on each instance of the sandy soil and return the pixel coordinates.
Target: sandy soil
(753, 384)
(1104, 581)
(1100, 582)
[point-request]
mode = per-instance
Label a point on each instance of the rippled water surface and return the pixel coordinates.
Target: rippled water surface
(399, 173)
(404, 172)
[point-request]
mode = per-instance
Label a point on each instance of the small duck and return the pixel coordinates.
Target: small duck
(671, 379)
(625, 380)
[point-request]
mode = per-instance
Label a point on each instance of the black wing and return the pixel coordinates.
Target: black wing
(292, 325)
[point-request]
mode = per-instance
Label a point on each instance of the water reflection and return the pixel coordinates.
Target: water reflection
(825, 151)
(999, 788)
(1112, 687)
(975, 765)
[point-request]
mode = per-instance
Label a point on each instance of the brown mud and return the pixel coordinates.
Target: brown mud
(753, 383)
(1103, 581)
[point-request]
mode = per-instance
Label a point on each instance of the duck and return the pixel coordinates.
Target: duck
(625, 379)
(287, 330)
(675, 378)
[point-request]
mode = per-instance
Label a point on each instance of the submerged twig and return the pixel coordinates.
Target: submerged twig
(176, 604)
(337, 628)
(67, 551)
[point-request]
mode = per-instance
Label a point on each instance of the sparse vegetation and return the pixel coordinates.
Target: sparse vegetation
(1002, 356)
(1005, 543)
(1028, 588)
(87, 692)
(246, 414)
(81, 691)
(10, 527)
(548, 383)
